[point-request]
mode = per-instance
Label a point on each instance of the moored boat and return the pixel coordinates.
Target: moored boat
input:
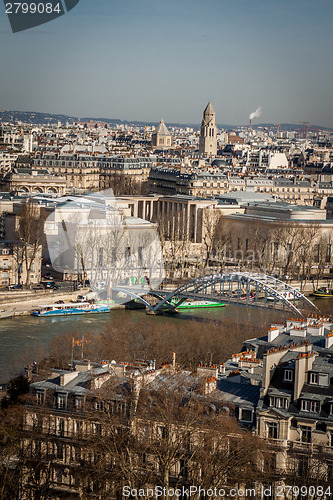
(70, 308)
(324, 293)
(199, 303)
(6, 313)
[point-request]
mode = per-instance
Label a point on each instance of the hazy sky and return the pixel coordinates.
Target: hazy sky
(152, 59)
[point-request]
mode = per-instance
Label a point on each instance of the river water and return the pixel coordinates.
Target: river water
(24, 338)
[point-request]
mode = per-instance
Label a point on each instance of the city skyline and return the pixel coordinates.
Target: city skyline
(141, 61)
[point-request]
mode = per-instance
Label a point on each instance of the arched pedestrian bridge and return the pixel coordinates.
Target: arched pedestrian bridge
(242, 288)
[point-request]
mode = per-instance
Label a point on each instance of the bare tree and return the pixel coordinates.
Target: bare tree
(30, 233)
(175, 241)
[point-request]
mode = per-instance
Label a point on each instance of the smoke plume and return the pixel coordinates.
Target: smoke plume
(255, 113)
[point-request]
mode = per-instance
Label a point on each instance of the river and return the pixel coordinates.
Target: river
(23, 338)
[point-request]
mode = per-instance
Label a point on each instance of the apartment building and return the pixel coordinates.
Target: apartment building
(13, 265)
(213, 182)
(137, 168)
(7, 160)
(80, 171)
(279, 386)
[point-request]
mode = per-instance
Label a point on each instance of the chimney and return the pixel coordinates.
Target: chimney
(210, 385)
(273, 333)
(207, 371)
(329, 340)
(304, 362)
(174, 360)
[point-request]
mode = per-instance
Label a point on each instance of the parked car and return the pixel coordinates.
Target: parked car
(49, 284)
(14, 287)
(60, 302)
(81, 298)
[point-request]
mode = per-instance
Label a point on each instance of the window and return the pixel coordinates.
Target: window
(303, 466)
(59, 451)
(97, 429)
(288, 250)
(40, 397)
(100, 257)
(99, 405)
(60, 427)
(59, 476)
(79, 403)
(162, 432)
(278, 402)
(37, 423)
(78, 426)
(245, 415)
(311, 406)
(316, 253)
(288, 375)
(318, 379)
(272, 430)
(314, 378)
(305, 434)
(140, 256)
(275, 251)
(183, 469)
(75, 453)
(61, 401)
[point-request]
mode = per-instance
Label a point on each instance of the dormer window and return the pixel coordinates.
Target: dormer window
(79, 402)
(61, 401)
(288, 376)
(40, 397)
(245, 415)
(319, 379)
(310, 406)
(278, 402)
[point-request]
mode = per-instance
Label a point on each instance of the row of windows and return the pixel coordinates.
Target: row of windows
(272, 431)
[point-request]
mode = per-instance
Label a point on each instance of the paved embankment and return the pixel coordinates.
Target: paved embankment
(24, 305)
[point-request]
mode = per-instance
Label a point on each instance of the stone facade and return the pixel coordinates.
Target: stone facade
(208, 132)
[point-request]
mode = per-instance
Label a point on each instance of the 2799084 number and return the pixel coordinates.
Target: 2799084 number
(32, 8)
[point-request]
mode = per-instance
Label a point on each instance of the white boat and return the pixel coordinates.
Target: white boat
(6, 313)
(70, 308)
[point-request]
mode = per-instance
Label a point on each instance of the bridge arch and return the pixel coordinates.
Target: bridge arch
(243, 288)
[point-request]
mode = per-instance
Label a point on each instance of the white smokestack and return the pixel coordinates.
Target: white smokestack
(255, 114)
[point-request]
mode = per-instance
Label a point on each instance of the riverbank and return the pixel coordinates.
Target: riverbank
(23, 303)
(23, 306)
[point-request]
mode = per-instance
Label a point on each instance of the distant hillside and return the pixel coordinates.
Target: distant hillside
(35, 118)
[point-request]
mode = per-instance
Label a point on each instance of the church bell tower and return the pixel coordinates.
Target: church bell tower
(208, 132)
